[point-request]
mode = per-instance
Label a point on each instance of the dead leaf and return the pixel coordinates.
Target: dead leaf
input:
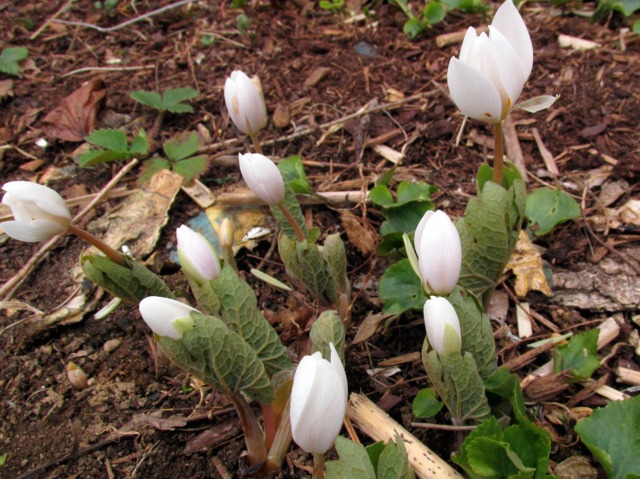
(139, 422)
(526, 263)
(213, 437)
(575, 467)
(359, 233)
(75, 116)
(281, 116)
(6, 88)
(369, 326)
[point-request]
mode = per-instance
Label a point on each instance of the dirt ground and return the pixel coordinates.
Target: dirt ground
(315, 68)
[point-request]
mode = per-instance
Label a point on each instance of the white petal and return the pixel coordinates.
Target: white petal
(509, 22)
(466, 50)
(473, 93)
(46, 198)
(512, 77)
(439, 312)
(302, 386)
(262, 177)
(32, 231)
(538, 103)
(417, 236)
(159, 314)
(336, 363)
(197, 255)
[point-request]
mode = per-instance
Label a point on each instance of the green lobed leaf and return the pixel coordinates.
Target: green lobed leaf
(507, 386)
(335, 255)
(14, 54)
(457, 382)
(580, 355)
(182, 146)
(150, 167)
(139, 144)
(290, 202)
(381, 195)
(148, 98)
(354, 462)
(477, 333)
(412, 28)
(174, 96)
(239, 310)
(434, 12)
(180, 108)
(374, 450)
(191, 167)
(546, 208)
(393, 462)
(328, 328)
(488, 233)
(494, 459)
(426, 404)
(96, 157)
(293, 173)
(221, 358)
(131, 284)
(305, 262)
(612, 434)
(109, 139)
(401, 289)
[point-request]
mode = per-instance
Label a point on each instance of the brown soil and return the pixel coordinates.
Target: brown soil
(48, 429)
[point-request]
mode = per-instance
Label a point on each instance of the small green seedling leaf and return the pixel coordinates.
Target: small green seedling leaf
(426, 404)
(434, 13)
(612, 434)
(580, 355)
(293, 173)
(3, 459)
(148, 98)
(546, 208)
(328, 328)
(115, 147)
(192, 167)
(393, 462)
(10, 59)
(354, 462)
(375, 450)
(150, 167)
(401, 289)
(109, 139)
(182, 146)
(171, 100)
(412, 28)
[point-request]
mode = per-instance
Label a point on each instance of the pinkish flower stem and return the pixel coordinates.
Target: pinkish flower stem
(318, 466)
(254, 439)
(256, 143)
(112, 254)
(292, 222)
(498, 153)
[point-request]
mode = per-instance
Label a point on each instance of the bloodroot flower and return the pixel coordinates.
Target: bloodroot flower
(245, 103)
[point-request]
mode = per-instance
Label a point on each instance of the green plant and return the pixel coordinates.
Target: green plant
(113, 146)
(434, 12)
(332, 5)
(171, 100)
(107, 6)
(180, 157)
(624, 7)
(10, 59)
(546, 208)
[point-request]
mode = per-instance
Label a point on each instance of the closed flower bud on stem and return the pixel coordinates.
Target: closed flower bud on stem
(167, 317)
(443, 326)
(262, 177)
(439, 252)
(197, 256)
(245, 103)
(39, 212)
(318, 402)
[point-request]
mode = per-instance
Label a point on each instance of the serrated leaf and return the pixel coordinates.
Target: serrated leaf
(131, 284)
(220, 357)
(177, 95)
(507, 385)
(477, 333)
(239, 310)
(488, 233)
(10, 68)
(426, 404)
(150, 167)
(393, 463)
(305, 262)
(546, 208)
(139, 144)
(180, 108)
(148, 98)
(458, 384)
(109, 139)
(401, 289)
(182, 146)
(96, 157)
(290, 202)
(328, 328)
(580, 355)
(14, 54)
(191, 167)
(612, 434)
(354, 462)
(293, 173)
(334, 253)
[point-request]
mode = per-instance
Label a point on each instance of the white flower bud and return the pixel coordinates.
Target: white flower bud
(443, 326)
(262, 177)
(166, 317)
(318, 402)
(40, 213)
(439, 252)
(197, 256)
(245, 103)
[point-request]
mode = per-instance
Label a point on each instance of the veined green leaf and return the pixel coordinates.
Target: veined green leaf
(401, 289)
(150, 167)
(182, 146)
(95, 157)
(580, 355)
(393, 462)
(291, 204)
(192, 167)
(109, 139)
(425, 404)
(140, 144)
(148, 98)
(177, 95)
(293, 173)
(335, 255)
(354, 462)
(546, 208)
(328, 328)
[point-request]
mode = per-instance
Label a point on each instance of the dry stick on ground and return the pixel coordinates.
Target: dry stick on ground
(10, 287)
(377, 424)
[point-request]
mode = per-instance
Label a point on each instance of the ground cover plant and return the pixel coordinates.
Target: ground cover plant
(439, 275)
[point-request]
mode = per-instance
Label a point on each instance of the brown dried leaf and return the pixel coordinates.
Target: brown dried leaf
(526, 263)
(75, 116)
(213, 437)
(369, 326)
(360, 234)
(6, 88)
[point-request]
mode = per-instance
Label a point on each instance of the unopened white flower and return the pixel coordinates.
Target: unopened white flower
(443, 326)
(487, 79)
(262, 177)
(439, 252)
(166, 317)
(245, 103)
(197, 256)
(40, 213)
(318, 402)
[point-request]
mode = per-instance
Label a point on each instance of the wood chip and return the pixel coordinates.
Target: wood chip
(547, 156)
(628, 376)
(199, 193)
(525, 328)
(316, 76)
(567, 41)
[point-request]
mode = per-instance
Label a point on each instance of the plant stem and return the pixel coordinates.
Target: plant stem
(292, 222)
(498, 153)
(269, 421)
(318, 466)
(281, 441)
(256, 143)
(112, 254)
(257, 452)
